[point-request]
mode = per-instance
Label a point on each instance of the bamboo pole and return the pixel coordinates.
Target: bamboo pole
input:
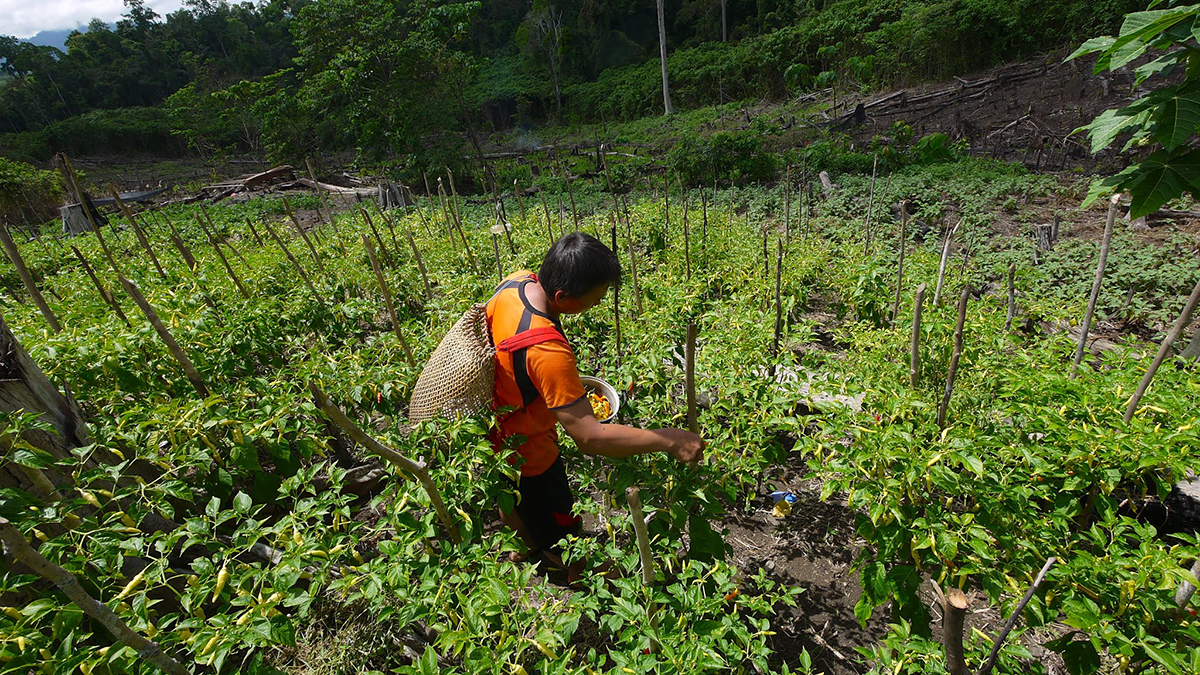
(181, 246)
(914, 359)
(105, 294)
(387, 300)
(445, 208)
(937, 293)
(666, 207)
(228, 268)
(10, 247)
(1012, 297)
(417, 469)
(1186, 589)
(392, 228)
(633, 496)
(416, 253)
(188, 369)
(787, 204)
(454, 191)
(778, 306)
(382, 249)
(687, 239)
(213, 226)
(704, 224)
(958, 345)
(690, 378)
(954, 609)
(303, 235)
(637, 290)
(1184, 318)
(520, 200)
(496, 248)
(137, 231)
(1012, 619)
(295, 263)
(900, 265)
(87, 212)
(1096, 283)
(19, 548)
(616, 290)
(571, 194)
(320, 195)
(546, 209)
(870, 206)
(254, 232)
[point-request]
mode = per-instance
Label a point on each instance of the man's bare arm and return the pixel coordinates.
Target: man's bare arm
(619, 440)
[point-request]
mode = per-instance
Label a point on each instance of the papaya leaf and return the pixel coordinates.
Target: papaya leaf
(1161, 177)
(1096, 44)
(1138, 30)
(1177, 118)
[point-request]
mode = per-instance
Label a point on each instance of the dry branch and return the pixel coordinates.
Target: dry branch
(417, 469)
(1100, 263)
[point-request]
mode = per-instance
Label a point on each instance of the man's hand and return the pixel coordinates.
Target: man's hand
(684, 445)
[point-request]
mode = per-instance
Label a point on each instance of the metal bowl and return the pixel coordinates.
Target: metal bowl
(594, 385)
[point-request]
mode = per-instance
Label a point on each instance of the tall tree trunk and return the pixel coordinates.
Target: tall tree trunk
(662, 53)
(724, 24)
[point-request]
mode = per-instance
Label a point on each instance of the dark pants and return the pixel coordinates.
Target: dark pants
(545, 505)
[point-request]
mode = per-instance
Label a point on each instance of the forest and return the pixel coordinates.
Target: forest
(404, 84)
(921, 273)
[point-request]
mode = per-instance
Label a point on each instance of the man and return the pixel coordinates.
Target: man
(538, 387)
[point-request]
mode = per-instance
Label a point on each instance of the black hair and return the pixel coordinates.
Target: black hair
(576, 264)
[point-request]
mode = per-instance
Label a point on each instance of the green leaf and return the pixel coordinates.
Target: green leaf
(1167, 659)
(1138, 30)
(1081, 613)
(1081, 658)
(1096, 44)
(1177, 117)
(1161, 177)
(1106, 186)
(242, 502)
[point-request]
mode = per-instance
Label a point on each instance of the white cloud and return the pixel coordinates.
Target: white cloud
(25, 18)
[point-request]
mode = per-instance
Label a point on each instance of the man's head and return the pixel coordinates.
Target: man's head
(577, 271)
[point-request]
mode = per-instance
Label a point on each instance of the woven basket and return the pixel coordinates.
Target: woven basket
(460, 376)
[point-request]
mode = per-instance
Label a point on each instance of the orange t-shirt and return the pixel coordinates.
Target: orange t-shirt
(535, 380)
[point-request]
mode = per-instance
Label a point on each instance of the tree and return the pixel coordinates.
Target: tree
(1165, 121)
(662, 54)
(545, 25)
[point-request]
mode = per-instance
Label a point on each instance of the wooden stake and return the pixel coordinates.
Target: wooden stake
(454, 191)
(1184, 318)
(787, 204)
(687, 239)
(387, 300)
(937, 294)
(87, 212)
(546, 209)
(900, 265)
(320, 194)
(254, 232)
(1012, 296)
(213, 226)
(1012, 619)
(382, 249)
(616, 291)
(637, 290)
(417, 469)
(666, 207)
(958, 343)
(416, 253)
(496, 248)
(1096, 282)
(1186, 589)
(105, 294)
(15, 544)
(228, 268)
(778, 305)
(643, 543)
(870, 206)
(704, 225)
(188, 369)
(10, 247)
(954, 610)
(137, 230)
(295, 263)
(914, 360)
(312, 249)
(520, 200)
(690, 378)
(571, 194)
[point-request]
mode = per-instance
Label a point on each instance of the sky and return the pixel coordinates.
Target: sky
(26, 18)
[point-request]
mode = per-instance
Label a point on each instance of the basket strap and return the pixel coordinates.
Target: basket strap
(533, 336)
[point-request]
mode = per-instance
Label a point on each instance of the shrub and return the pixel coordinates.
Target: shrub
(28, 194)
(736, 156)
